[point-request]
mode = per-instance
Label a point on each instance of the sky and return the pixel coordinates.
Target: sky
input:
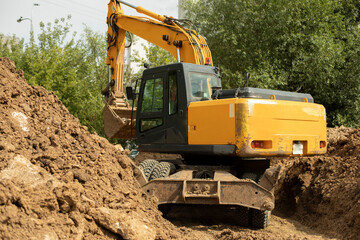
(90, 12)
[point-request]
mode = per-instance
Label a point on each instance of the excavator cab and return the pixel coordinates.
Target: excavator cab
(164, 96)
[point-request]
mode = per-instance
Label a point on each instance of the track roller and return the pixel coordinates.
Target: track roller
(161, 170)
(147, 166)
(259, 219)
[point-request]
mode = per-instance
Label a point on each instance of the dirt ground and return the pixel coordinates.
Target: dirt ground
(58, 181)
(323, 192)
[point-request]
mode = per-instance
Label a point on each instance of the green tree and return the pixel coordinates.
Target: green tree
(154, 55)
(131, 74)
(74, 69)
(93, 77)
(11, 46)
(53, 62)
(287, 45)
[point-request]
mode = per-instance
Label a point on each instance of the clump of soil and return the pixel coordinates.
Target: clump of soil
(58, 181)
(323, 192)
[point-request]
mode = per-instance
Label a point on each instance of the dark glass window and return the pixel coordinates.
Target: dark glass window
(147, 124)
(201, 84)
(173, 94)
(153, 96)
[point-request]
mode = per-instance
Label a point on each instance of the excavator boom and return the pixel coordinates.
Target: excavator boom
(186, 45)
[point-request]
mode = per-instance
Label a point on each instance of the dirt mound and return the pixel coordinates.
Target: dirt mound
(58, 181)
(323, 192)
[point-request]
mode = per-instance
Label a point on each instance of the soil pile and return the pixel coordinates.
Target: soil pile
(58, 181)
(323, 192)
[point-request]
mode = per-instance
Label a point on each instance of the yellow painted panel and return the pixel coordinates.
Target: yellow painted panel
(281, 123)
(278, 124)
(212, 122)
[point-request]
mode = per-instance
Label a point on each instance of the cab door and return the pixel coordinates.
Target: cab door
(151, 110)
(176, 108)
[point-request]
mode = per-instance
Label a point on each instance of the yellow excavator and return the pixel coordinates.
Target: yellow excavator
(225, 137)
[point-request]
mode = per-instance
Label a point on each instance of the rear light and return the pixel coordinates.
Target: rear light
(322, 144)
(208, 61)
(257, 144)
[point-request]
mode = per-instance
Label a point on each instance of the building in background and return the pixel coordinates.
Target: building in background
(9, 41)
(181, 11)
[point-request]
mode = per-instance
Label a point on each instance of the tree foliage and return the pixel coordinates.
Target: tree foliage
(157, 56)
(11, 46)
(287, 45)
(312, 45)
(154, 55)
(73, 68)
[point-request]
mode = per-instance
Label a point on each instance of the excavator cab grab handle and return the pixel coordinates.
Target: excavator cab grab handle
(130, 93)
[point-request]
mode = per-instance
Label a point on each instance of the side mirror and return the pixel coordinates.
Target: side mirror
(130, 95)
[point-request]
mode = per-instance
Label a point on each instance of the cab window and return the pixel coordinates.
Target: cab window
(173, 94)
(147, 124)
(201, 85)
(153, 96)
